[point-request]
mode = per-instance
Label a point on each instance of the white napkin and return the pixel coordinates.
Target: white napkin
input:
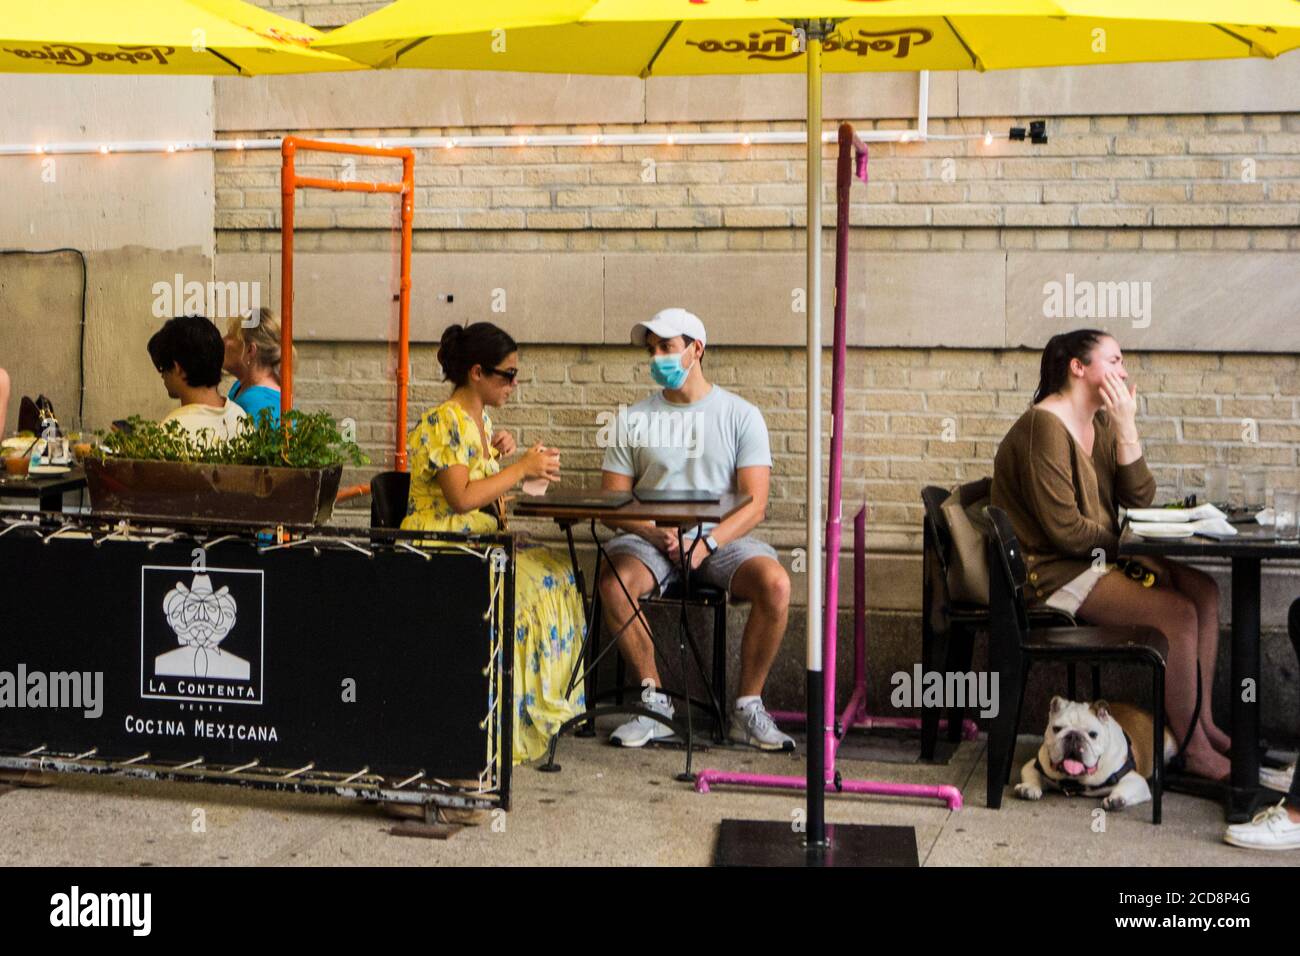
(1162, 515)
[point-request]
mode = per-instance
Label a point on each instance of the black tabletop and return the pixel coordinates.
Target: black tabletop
(1251, 541)
(682, 514)
(36, 486)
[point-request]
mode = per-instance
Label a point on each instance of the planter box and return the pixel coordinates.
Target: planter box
(253, 494)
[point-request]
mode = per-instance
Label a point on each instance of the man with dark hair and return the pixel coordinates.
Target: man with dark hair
(692, 435)
(188, 352)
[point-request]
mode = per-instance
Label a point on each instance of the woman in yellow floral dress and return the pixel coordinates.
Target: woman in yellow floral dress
(456, 473)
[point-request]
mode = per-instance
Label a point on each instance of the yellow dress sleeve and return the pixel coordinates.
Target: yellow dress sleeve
(444, 441)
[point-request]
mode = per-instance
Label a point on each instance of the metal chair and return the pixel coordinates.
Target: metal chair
(389, 491)
(701, 596)
(1014, 646)
(949, 627)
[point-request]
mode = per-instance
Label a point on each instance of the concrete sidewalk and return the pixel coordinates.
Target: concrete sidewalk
(606, 808)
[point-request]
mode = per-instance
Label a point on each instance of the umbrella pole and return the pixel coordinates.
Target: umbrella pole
(816, 797)
(769, 843)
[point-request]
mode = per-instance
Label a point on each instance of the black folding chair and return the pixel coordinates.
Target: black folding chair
(702, 595)
(949, 627)
(389, 491)
(1014, 646)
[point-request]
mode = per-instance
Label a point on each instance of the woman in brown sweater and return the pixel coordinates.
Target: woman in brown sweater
(1061, 474)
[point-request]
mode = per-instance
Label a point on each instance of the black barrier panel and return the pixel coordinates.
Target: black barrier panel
(287, 657)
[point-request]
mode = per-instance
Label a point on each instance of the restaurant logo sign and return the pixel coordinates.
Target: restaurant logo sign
(65, 54)
(201, 634)
(779, 44)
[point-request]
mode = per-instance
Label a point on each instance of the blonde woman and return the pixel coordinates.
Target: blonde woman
(253, 357)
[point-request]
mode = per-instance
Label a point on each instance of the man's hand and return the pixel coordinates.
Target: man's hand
(504, 443)
(666, 540)
(699, 551)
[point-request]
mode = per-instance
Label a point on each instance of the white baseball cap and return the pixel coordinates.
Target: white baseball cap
(669, 322)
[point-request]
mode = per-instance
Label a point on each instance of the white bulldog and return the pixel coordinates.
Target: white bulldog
(1098, 750)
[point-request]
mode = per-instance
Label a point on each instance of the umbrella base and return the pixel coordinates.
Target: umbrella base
(774, 843)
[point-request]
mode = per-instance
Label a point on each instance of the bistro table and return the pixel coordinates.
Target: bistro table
(1251, 546)
(48, 489)
(680, 515)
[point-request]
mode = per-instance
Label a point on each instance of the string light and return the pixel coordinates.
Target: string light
(785, 137)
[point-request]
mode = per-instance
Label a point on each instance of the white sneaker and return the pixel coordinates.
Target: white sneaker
(1271, 829)
(1278, 779)
(754, 726)
(640, 730)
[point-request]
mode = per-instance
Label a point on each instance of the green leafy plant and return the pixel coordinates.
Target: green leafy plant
(310, 440)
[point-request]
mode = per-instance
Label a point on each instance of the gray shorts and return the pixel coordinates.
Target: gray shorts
(717, 569)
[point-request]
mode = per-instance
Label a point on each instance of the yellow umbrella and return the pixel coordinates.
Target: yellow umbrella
(71, 37)
(690, 37)
(697, 37)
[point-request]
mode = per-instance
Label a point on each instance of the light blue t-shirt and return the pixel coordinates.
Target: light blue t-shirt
(253, 400)
(671, 447)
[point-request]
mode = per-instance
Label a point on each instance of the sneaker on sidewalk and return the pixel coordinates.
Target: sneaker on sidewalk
(640, 730)
(753, 725)
(1277, 778)
(1271, 829)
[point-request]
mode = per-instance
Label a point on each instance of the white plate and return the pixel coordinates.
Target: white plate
(1164, 531)
(49, 470)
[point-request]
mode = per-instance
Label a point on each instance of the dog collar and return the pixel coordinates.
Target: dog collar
(1072, 788)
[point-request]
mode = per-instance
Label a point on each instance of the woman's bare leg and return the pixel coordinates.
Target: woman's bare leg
(1203, 592)
(1117, 599)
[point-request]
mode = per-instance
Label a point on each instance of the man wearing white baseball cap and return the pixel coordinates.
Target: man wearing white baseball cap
(694, 436)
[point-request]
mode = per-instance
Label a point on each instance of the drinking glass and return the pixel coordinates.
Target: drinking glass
(1252, 487)
(1216, 485)
(1285, 505)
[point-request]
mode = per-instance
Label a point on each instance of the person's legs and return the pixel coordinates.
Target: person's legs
(1203, 592)
(1117, 599)
(765, 585)
(634, 643)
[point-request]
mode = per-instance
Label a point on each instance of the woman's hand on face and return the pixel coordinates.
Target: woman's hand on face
(504, 443)
(541, 462)
(1120, 400)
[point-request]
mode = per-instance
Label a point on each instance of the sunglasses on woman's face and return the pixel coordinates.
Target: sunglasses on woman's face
(507, 373)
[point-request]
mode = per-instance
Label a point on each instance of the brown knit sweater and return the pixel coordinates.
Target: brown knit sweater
(1063, 503)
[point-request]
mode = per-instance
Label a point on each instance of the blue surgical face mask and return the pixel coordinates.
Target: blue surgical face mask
(667, 370)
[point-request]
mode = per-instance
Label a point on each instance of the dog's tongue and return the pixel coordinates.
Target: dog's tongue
(1074, 768)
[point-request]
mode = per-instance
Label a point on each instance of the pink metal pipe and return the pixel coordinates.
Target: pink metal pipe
(852, 162)
(945, 792)
(855, 715)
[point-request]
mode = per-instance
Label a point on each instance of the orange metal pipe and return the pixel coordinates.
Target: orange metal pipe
(404, 308)
(322, 146)
(356, 491)
(355, 186)
(290, 182)
(288, 187)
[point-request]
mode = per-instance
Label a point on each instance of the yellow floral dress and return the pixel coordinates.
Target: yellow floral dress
(549, 623)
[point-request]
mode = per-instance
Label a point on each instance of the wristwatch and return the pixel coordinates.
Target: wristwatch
(711, 543)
